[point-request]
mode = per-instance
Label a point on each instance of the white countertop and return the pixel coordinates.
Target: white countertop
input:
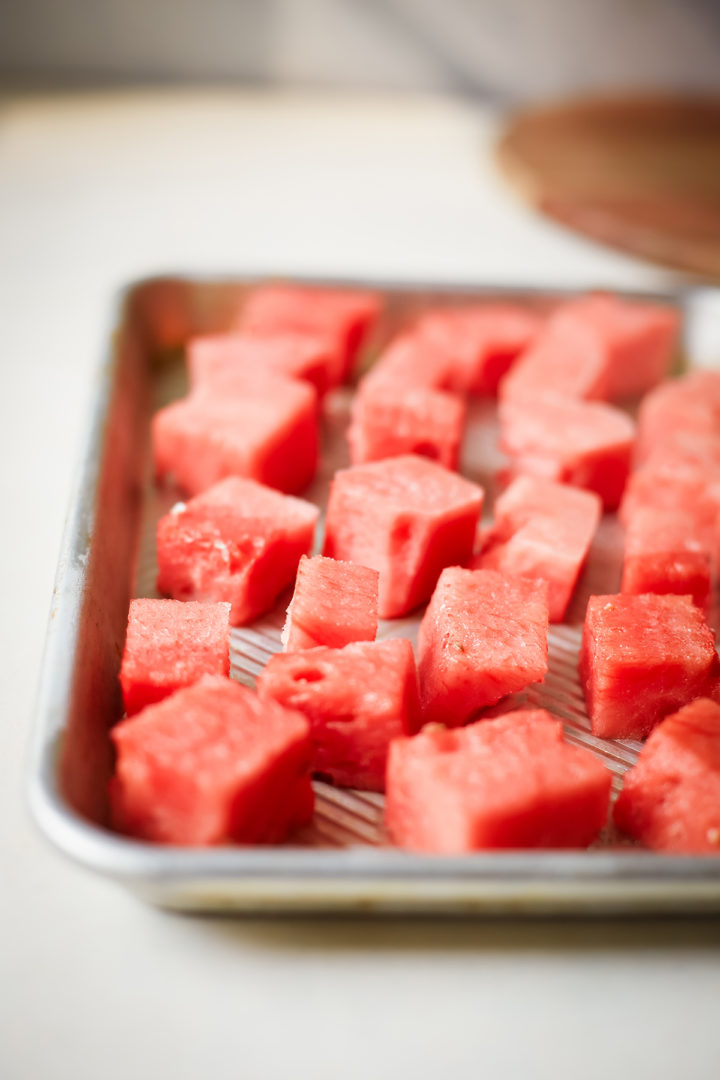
(96, 191)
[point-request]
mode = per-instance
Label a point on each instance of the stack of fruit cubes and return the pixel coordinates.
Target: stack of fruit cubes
(447, 727)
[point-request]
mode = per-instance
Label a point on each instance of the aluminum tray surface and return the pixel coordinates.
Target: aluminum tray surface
(343, 860)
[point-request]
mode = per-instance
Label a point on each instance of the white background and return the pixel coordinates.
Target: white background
(93, 193)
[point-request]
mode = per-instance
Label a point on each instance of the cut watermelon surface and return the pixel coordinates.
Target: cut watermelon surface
(409, 362)
(670, 800)
(266, 431)
(511, 782)
(677, 413)
(688, 491)
(212, 764)
(543, 531)
(665, 553)
(584, 443)
(222, 360)
(345, 317)
(170, 645)
(238, 542)
(482, 341)
(483, 636)
(638, 338)
(643, 657)
(566, 357)
(357, 699)
(388, 421)
(334, 603)
(407, 518)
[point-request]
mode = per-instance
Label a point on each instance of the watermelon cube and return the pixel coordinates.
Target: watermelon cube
(222, 360)
(357, 699)
(567, 356)
(407, 518)
(542, 530)
(212, 764)
(483, 341)
(511, 782)
(333, 604)
(670, 800)
(170, 645)
(643, 657)
(238, 542)
(680, 414)
(584, 443)
(638, 338)
(388, 421)
(410, 362)
(344, 317)
(688, 491)
(482, 637)
(665, 554)
(266, 430)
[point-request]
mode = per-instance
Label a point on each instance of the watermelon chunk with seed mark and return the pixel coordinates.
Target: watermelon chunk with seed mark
(238, 542)
(510, 782)
(483, 341)
(334, 603)
(357, 699)
(223, 360)
(345, 317)
(170, 645)
(665, 554)
(584, 443)
(212, 764)
(267, 431)
(670, 799)
(643, 657)
(388, 421)
(483, 636)
(566, 357)
(407, 518)
(542, 530)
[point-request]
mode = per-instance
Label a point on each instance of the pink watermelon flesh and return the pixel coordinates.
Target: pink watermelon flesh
(567, 356)
(409, 363)
(407, 518)
(334, 603)
(670, 800)
(218, 360)
(639, 339)
(690, 492)
(483, 341)
(583, 443)
(388, 421)
(264, 430)
(680, 414)
(511, 782)
(238, 542)
(170, 645)
(643, 657)
(542, 530)
(482, 637)
(664, 554)
(212, 764)
(357, 699)
(344, 316)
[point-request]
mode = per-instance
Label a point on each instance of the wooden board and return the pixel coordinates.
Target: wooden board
(641, 174)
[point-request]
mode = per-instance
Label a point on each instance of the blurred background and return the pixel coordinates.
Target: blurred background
(508, 50)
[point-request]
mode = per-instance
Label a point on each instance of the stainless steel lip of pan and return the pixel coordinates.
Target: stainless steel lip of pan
(341, 862)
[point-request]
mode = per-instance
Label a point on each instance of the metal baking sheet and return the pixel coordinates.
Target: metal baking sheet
(343, 861)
